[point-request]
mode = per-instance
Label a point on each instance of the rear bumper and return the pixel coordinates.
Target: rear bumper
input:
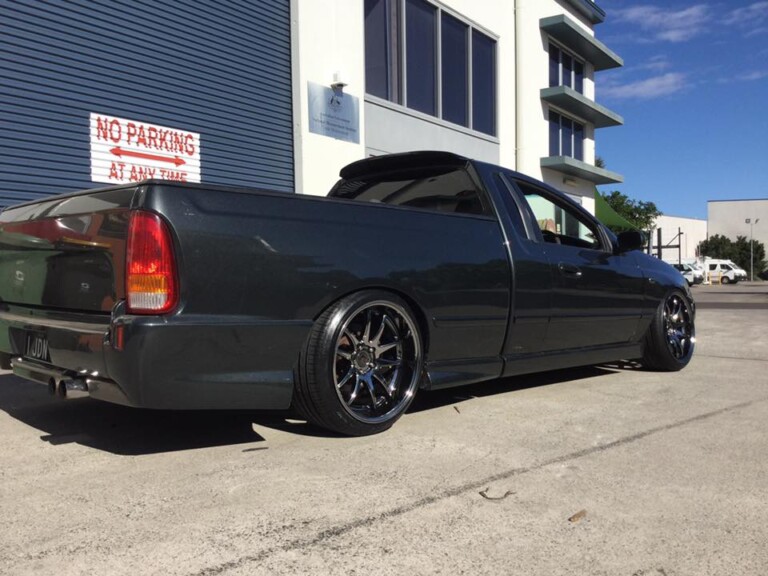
(175, 362)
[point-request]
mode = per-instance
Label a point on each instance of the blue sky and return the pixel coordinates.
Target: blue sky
(694, 96)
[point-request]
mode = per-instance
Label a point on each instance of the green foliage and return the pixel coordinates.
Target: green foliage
(642, 214)
(599, 162)
(718, 246)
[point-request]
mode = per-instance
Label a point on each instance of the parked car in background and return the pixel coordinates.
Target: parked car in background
(692, 275)
(739, 271)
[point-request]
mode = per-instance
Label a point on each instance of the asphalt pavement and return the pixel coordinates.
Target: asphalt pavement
(601, 470)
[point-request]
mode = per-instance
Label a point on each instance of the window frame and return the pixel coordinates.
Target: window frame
(532, 230)
(398, 60)
(575, 60)
(574, 122)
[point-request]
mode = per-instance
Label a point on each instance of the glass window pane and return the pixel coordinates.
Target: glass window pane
(554, 65)
(578, 72)
(437, 189)
(483, 83)
(554, 134)
(567, 136)
(578, 141)
(567, 70)
(455, 70)
(376, 49)
(559, 223)
(420, 39)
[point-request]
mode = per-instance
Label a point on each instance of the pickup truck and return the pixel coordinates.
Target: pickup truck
(418, 271)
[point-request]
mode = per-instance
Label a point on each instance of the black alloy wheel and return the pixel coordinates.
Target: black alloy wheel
(362, 365)
(671, 337)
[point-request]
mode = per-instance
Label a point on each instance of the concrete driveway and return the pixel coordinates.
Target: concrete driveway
(603, 470)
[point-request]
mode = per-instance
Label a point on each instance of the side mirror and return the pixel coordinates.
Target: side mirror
(630, 240)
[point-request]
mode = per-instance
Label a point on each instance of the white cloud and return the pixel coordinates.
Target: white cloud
(752, 16)
(752, 76)
(647, 89)
(666, 24)
(656, 64)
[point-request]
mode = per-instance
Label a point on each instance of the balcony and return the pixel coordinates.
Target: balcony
(578, 169)
(573, 37)
(578, 105)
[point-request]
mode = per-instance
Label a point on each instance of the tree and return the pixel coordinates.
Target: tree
(599, 162)
(718, 246)
(641, 214)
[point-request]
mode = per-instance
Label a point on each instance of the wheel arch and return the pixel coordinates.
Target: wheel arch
(420, 315)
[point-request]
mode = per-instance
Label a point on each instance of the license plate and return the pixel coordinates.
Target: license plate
(37, 347)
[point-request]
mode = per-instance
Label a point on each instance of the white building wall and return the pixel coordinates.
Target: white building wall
(728, 218)
(329, 38)
(533, 136)
(693, 231)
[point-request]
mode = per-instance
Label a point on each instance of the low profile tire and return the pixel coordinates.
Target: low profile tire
(362, 364)
(671, 336)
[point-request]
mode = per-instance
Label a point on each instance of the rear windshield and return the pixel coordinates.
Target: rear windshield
(448, 190)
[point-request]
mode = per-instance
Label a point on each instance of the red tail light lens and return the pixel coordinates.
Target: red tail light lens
(150, 278)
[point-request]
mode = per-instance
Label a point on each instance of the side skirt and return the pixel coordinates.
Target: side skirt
(571, 359)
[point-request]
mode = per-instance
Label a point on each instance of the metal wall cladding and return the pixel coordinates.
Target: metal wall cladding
(221, 69)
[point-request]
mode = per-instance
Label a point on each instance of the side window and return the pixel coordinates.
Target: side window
(560, 223)
(439, 190)
(712, 267)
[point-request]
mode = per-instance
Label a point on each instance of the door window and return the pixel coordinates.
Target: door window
(560, 223)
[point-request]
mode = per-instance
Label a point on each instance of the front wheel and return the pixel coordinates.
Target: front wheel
(670, 339)
(362, 364)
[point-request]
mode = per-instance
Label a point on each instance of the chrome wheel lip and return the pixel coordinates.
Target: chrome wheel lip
(678, 325)
(371, 361)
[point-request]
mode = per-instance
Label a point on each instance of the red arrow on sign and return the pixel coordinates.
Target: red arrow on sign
(119, 152)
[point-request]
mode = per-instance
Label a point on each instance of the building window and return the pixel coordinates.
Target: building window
(421, 56)
(566, 136)
(565, 69)
(455, 68)
(403, 39)
(382, 50)
(483, 83)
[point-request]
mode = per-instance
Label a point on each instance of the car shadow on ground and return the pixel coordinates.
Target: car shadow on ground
(440, 398)
(119, 429)
(130, 431)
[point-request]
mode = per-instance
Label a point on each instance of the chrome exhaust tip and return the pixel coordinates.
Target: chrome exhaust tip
(70, 388)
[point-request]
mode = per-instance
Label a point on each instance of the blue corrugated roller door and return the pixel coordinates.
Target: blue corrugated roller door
(218, 68)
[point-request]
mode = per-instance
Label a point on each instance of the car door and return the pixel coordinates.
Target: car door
(597, 295)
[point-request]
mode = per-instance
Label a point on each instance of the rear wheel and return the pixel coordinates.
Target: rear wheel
(671, 336)
(362, 364)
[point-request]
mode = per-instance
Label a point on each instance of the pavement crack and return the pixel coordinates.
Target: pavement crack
(732, 357)
(340, 530)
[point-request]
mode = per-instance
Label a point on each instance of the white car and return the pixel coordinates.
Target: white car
(692, 275)
(740, 272)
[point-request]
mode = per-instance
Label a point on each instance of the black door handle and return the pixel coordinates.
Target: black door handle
(569, 270)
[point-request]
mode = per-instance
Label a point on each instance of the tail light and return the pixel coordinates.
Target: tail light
(150, 275)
